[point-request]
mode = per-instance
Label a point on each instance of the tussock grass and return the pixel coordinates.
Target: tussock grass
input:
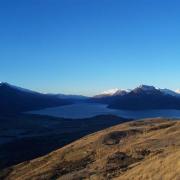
(141, 150)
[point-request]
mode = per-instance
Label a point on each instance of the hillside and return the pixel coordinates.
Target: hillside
(26, 137)
(15, 100)
(148, 149)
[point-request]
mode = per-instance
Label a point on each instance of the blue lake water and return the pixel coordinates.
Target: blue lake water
(86, 110)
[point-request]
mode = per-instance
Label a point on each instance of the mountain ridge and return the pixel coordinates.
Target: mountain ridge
(141, 98)
(110, 92)
(15, 100)
(117, 91)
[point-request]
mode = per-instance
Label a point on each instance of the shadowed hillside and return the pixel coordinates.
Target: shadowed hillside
(25, 137)
(14, 100)
(139, 150)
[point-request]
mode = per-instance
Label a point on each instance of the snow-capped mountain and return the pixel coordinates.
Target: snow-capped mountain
(152, 89)
(170, 92)
(15, 99)
(110, 92)
(141, 98)
(140, 89)
(113, 92)
(121, 92)
(145, 89)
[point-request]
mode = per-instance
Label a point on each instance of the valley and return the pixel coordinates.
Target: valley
(49, 136)
(88, 110)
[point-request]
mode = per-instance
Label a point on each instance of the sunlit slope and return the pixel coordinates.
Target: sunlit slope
(147, 149)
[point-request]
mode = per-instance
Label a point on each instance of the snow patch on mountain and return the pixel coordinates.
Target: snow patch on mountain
(113, 92)
(168, 92)
(145, 88)
(110, 91)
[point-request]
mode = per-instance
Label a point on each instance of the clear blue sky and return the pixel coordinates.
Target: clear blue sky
(87, 46)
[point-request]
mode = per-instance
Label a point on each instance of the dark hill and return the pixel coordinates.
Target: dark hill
(16, 100)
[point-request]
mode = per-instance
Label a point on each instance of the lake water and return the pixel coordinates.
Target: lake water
(86, 110)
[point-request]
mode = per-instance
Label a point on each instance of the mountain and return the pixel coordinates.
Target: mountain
(170, 92)
(141, 150)
(112, 92)
(142, 98)
(14, 99)
(145, 88)
(3, 84)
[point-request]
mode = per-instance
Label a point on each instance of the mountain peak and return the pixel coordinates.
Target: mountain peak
(10, 86)
(147, 87)
(3, 83)
(110, 91)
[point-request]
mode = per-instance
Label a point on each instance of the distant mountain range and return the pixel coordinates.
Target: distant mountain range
(116, 91)
(14, 99)
(112, 92)
(141, 98)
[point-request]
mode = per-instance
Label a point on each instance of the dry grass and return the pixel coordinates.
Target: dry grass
(142, 150)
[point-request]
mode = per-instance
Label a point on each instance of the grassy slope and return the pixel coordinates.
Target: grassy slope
(26, 137)
(136, 150)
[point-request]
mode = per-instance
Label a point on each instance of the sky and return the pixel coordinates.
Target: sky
(88, 46)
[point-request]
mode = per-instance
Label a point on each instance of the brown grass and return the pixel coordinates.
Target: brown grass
(142, 150)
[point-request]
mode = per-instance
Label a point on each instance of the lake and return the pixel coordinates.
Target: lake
(86, 110)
